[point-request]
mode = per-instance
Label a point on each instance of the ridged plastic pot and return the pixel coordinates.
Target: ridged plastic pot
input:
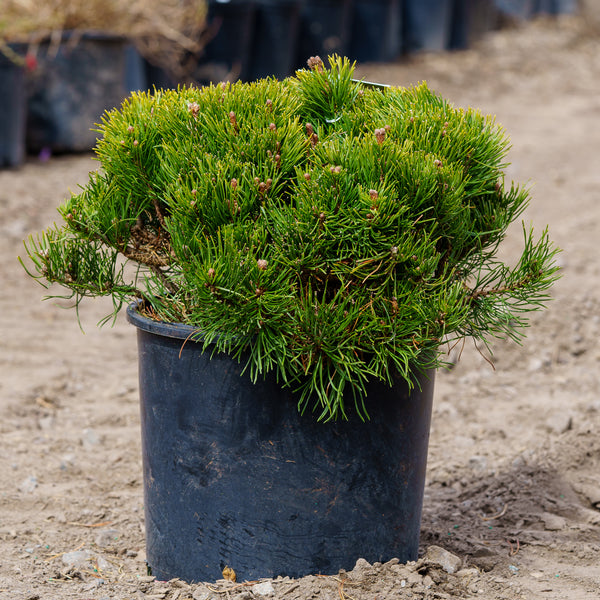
(235, 476)
(74, 84)
(324, 29)
(12, 111)
(427, 24)
(275, 38)
(376, 30)
(471, 20)
(227, 53)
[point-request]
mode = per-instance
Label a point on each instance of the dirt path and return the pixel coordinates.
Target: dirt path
(514, 467)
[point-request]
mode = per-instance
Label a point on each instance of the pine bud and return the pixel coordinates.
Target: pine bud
(211, 273)
(272, 127)
(380, 135)
(194, 109)
(234, 183)
(315, 64)
(373, 194)
(262, 264)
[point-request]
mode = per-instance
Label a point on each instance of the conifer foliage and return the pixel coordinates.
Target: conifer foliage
(323, 228)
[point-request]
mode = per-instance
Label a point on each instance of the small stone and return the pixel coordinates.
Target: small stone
(535, 364)
(448, 561)
(537, 574)
(478, 463)
(201, 593)
(82, 558)
(414, 578)
(427, 582)
(559, 423)
(264, 588)
(592, 493)
(46, 423)
(89, 438)
(106, 538)
(361, 565)
(553, 522)
(28, 485)
(468, 573)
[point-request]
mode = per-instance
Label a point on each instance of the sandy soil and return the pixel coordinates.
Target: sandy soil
(513, 486)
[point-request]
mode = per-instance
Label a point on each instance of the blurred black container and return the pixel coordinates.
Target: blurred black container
(275, 39)
(555, 7)
(516, 9)
(471, 20)
(427, 25)
(13, 105)
(74, 83)
(324, 29)
(227, 53)
(376, 30)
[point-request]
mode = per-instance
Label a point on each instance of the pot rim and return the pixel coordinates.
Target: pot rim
(178, 331)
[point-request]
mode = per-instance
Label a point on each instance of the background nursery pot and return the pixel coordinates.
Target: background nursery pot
(235, 476)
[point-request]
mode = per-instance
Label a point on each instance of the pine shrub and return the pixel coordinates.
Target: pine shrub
(326, 229)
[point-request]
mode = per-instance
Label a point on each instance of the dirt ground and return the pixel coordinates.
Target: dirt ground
(513, 488)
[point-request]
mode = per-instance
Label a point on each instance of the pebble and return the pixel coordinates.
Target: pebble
(28, 485)
(478, 464)
(592, 493)
(106, 538)
(553, 522)
(559, 423)
(46, 423)
(361, 565)
(264, 588)
(89, 438)
(448, 561)
(81, 558)
(202, 594)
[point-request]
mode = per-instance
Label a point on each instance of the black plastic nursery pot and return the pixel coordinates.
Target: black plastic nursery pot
(427, 25)
(227, 53)
(75, 82)
(376, 30)
(275, 38)
(12, 111)
(325, 28)
(471, 20)
(235, 476)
